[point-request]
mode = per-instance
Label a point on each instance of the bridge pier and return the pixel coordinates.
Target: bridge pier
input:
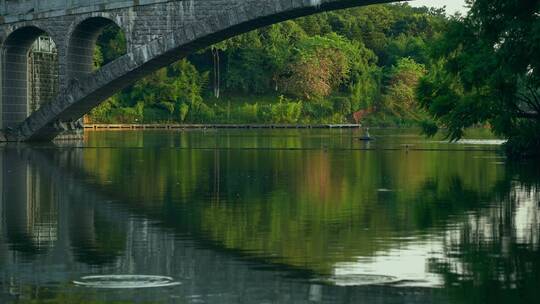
(30, 79)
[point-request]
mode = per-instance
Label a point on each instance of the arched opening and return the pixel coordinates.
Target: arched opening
(30, 74)
(94, 42)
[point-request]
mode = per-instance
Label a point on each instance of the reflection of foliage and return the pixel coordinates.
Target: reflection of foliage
(295, 207)
(300, 205)
(434, 202)
(64, 294)
(98, 241)
(300, 236)
(23, 243)
(493, 251)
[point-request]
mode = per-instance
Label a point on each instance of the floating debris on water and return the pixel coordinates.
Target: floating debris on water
(357, 280)
(496, 142)
(126, 281)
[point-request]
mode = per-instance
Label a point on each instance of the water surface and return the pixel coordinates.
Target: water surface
(269, 216)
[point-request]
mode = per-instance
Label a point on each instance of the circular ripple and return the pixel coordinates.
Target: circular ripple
(357, 280)
(126, 281)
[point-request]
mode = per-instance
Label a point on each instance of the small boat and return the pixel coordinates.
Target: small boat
(366, 137)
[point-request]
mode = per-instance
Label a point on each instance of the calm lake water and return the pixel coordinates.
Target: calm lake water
(269, 216)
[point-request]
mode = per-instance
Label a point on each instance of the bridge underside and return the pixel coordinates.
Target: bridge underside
(158, 34)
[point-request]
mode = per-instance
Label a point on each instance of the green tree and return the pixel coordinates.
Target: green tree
(320, 65)
(488, 72)
(111, 44)
(331, 64)
(399, 97)
(255, 59)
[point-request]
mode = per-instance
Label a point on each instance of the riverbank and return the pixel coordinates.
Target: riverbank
(216, 126)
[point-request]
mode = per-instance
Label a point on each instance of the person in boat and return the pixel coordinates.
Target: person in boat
(366, 136)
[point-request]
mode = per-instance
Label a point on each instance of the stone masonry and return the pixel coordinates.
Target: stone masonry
(158, 32)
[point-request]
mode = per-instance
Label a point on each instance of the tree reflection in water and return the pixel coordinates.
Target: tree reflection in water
(495, 252)
(226, 220)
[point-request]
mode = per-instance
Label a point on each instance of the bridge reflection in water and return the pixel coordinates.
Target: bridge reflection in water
(66, 215)
(57, 227)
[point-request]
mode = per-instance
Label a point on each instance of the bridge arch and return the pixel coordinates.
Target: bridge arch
(84, 93)
(82, 43)
(16, 96)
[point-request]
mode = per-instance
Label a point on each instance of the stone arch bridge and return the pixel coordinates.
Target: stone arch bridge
(158, 33)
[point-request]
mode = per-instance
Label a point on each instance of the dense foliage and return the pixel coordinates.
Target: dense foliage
(321, 68)
(488, 71)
